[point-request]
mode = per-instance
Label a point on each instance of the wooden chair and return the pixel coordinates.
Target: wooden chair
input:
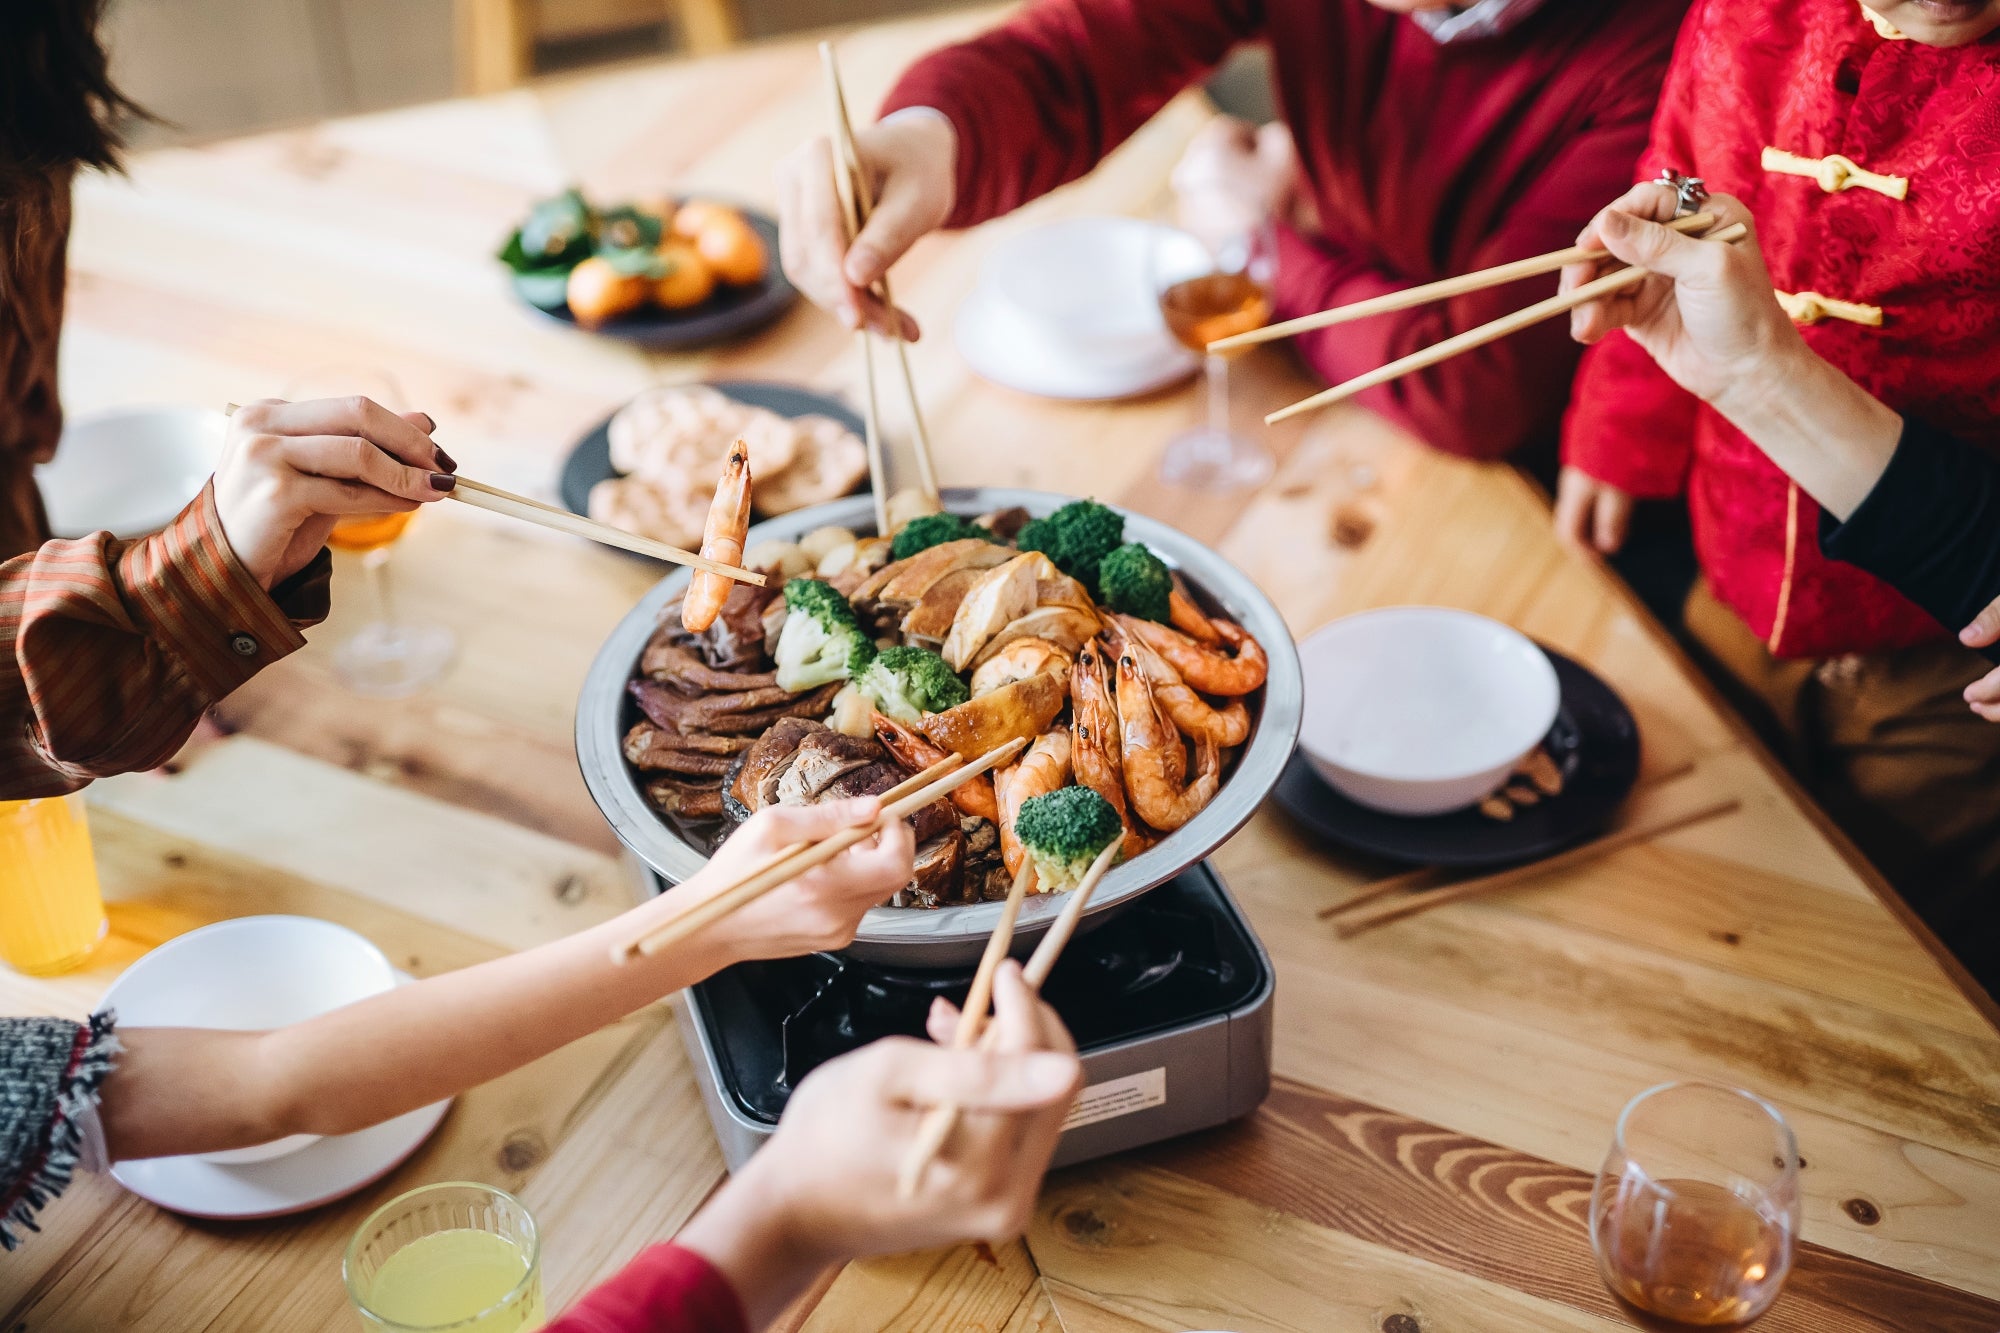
(496, 38)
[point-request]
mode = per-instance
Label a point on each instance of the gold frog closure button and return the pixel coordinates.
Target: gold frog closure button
(1835, 173)
(1811, 308)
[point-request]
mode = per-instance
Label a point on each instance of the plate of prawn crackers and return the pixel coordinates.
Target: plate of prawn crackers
(1565, 791)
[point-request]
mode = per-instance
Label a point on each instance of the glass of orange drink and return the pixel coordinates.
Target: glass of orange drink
(51, 913)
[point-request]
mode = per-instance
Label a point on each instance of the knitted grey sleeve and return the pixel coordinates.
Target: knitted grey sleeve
(50, 1070)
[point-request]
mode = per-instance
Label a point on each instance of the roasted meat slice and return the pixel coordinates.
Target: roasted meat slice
(735, 642)
(938, 878)
(670, 660)
(1003, 594)
(1064, 626)
(874, 779)
(930, 619)
(688, 800)
(756, 783)
(1020, 710)
(902, 582)
(822, 757)
(647, 747)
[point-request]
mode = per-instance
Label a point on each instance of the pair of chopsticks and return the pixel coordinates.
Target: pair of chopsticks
(1411, 903)
(491, 498)
(1459, 286)
(857, 202)
(937, 1124)
(787, 864)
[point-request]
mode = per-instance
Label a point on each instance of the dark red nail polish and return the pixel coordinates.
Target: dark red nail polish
(444, 460)
(430, 423)
(443, 481)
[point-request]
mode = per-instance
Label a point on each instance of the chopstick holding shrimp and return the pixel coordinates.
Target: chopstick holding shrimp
(722, 539)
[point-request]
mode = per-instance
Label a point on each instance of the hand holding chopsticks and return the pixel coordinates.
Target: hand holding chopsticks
(481, 496)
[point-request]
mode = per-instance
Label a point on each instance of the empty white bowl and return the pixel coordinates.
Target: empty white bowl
(1068, 310)
(248, 974)
(1420, 710)
(130, 472)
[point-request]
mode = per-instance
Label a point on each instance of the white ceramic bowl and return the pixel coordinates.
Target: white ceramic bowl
(1068, 310)
(1420, 710)
(247, 974)
(129, 473)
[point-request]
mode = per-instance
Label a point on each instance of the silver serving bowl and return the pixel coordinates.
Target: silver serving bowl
(955, 936)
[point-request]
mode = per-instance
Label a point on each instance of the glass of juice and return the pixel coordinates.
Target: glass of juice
(1696, 1209)
(1211, 286)
(458, 1256)
(51, 913)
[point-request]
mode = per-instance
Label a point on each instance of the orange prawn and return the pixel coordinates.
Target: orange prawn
(721, 540)
(1043, 769)
(1094, 745)
(1236, 666)
(917, 752)
(1155, 766)
(1194, 715)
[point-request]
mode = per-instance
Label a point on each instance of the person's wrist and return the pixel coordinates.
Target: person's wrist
(1781, 354)
(932, 139)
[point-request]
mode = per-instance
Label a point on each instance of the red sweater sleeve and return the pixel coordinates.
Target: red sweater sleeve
(1490, 401)
(1039, 100)
(666, 1289)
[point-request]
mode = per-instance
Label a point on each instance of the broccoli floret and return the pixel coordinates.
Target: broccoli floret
(821, 642)
(928, 530)
(906, 683)
(1064, 831)
(1076, 537)
(1134, 580)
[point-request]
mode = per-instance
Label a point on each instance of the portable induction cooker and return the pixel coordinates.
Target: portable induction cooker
(1169, 1001)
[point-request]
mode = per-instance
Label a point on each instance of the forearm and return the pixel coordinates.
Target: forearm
(1826, 432)
(744, 1232)
(183, 1090)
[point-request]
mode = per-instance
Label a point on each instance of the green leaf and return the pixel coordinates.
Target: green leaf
(559, 230)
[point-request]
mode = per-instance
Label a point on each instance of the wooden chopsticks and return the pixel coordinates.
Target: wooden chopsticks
(857, 203)
(481, 496)
(940, 779)
(936, 1126)
(1486, 333)
(1442, 290)
(1502, 879)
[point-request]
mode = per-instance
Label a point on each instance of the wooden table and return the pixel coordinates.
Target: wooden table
(1446, 1084)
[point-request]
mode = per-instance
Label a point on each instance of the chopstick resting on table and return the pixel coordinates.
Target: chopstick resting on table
(857, 202)
(937, 1123)
(940, 779)
(1489, 332)
(491, 498)
(1442, 290)
(1502, 879)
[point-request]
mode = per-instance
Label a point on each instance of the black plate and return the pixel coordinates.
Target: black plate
(1595, 743)
(589, 462)
(728, 313)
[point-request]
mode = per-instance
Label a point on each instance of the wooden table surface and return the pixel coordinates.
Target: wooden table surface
(1446, 1084)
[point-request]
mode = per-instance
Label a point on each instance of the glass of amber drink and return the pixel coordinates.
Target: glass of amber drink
(389, 657)
(458, 1256)
(1210, 287)
(51, 913)
(1696, 1210)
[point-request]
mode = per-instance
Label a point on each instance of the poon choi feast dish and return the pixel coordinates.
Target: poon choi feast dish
(869, 658)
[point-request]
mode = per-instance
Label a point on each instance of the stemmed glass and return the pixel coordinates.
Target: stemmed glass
(390, 657)
(1211, 286)
(1696, 1209)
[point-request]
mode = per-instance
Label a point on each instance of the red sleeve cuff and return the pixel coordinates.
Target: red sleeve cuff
(666, 1289)
(205, 610)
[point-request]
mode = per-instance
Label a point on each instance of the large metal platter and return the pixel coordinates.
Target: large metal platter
(954, 936)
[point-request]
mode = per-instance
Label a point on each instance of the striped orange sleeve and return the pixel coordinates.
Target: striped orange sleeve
(111, 650)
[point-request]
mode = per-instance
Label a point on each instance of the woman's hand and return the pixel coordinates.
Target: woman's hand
(1591, 513)
(1984, 694)
(1707, 315)
(289, 470)
(824, 1189)
(911, 160)
(822, 908)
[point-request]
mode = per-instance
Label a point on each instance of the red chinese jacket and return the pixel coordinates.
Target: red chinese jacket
(1812, 79)
(1422, 160)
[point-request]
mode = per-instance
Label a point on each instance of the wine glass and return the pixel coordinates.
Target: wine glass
(389, 657)
(1211, 286)
(1696, 1209)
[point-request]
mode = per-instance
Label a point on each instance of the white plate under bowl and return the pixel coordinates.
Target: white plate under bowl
(1068, 311)
(129, 472)
(247, 974)
(327, 1169)
(1419, 710)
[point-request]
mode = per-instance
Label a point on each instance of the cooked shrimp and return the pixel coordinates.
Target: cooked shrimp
(722, 539)
(917, 752)
(1150, 750)
(1019, 660)
(1190, 619)
(1194, 715)
(1236, 666)
(1040, 771)
(1094, 743)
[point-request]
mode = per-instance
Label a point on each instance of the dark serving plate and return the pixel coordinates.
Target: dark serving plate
(732, 311)
(1595, 742)
(589, 460)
